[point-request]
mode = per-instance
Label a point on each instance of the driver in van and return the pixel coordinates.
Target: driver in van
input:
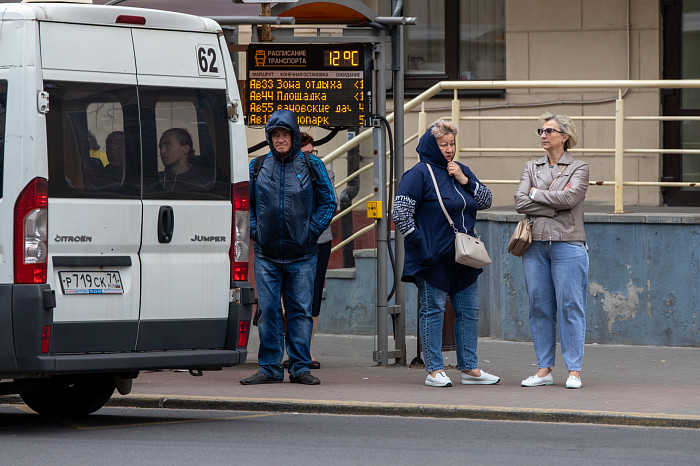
(177, 155)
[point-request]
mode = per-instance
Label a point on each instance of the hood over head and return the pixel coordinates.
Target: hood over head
(429, 151)
(287, 120)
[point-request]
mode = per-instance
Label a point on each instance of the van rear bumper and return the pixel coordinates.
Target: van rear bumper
(25, 309)
(43, 366)
(117, 362)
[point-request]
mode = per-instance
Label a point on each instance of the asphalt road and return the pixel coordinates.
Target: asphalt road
(167, 436)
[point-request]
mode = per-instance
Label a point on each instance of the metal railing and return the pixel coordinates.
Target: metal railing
(619, 150)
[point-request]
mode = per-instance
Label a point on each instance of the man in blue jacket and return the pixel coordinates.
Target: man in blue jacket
(291, 203)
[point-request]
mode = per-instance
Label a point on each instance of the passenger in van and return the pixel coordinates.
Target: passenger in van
(113, 172)
(79, 164)
(180, 171)
(95, 152)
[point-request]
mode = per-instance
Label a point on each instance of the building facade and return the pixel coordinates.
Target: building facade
(532, 40)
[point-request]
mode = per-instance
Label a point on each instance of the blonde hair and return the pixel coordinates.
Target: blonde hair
(566, 125)
(443, 127)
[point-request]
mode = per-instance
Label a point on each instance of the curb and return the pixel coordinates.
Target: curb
(408, 410)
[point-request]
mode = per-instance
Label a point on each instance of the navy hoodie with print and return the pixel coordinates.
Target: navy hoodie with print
(428, 237)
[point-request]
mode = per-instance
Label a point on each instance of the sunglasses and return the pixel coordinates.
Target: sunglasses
(311, 152)
(548, 131)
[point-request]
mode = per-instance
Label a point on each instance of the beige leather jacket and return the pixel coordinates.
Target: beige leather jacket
(557, 214)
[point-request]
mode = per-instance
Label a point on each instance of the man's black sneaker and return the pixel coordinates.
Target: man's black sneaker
(305, 378)
(260, 377)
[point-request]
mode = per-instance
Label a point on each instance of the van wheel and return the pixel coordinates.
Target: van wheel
(71, 396)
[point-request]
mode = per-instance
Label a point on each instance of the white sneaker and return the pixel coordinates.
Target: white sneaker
(573, 382)
(534, 381)
(484, 379)
(440, 380)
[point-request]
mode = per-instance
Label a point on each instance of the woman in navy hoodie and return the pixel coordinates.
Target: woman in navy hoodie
(430, 252)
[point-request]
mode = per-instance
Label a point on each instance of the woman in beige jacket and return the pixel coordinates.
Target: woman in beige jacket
(551, 194)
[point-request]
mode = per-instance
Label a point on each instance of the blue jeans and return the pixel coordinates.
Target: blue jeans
(432, 315)
(294, 280)
(556, 275)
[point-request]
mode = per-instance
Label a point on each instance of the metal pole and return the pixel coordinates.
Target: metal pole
(253, 20)
(382, 355)
(400, 295)
(619, 152)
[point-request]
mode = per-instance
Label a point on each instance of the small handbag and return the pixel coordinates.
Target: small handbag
(469, 250)
(521, 238)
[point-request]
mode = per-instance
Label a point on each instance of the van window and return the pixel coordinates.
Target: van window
(93, 140)
(185, 141)
(3, 110)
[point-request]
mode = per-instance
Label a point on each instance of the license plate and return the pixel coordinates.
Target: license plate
(91, 282)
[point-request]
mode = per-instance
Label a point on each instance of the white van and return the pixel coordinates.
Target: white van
(113, 259)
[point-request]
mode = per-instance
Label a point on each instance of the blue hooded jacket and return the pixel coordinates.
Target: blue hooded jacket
(428, 237)
(288, 210)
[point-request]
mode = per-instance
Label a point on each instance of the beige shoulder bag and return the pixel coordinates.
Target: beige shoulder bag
(468, 250)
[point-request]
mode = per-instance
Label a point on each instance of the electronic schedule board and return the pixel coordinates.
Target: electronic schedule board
(324, 84)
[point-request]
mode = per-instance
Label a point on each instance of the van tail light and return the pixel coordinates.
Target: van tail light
(31, 225)
(240, 232)
(243, 333)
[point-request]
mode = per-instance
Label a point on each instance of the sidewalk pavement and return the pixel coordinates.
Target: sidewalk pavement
(624, 385)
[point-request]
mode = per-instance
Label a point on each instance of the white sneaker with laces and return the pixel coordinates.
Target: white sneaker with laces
(440, 380)
(534, 381)
(484, 379)
(573, 382)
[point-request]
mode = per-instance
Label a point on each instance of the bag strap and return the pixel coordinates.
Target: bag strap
(257, 165)
(258, 162)
(312, 174)
(439, 196)
(555, 178)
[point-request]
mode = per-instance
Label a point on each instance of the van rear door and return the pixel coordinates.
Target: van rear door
(94, 186)
(187, 198)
